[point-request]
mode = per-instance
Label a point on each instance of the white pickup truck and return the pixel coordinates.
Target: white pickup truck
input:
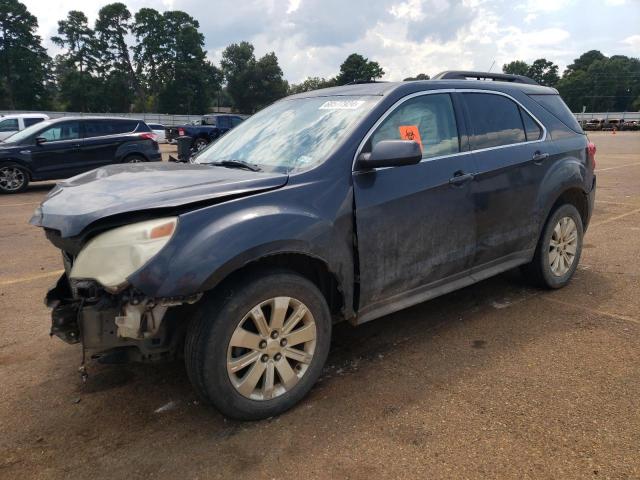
(10, 124)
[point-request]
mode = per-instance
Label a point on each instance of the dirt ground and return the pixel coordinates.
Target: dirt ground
(497, 380)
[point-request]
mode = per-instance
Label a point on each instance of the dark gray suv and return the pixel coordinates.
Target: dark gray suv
(347, 203)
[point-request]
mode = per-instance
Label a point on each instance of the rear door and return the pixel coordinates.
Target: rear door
(415, 224)
(103, 138)
(59, 156)
(512, 158)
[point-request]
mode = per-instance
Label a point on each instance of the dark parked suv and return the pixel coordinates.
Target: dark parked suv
(68, 146)
(347, 203)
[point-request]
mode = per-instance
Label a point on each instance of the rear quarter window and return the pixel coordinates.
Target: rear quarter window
(553, 104)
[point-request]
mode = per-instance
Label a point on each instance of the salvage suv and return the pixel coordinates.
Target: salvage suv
(347, 203)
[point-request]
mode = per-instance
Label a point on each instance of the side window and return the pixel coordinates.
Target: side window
(61, 131)
(531, 128)
(122, 126)
(427, 119)
(495, 120)
(94, 128)
(235, 121)
(9, 125)
(32, 121)
(223, 122)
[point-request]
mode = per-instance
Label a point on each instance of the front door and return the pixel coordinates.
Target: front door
(59, 155)
(415, 224)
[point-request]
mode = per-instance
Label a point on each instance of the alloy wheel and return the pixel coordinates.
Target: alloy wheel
(11, 179)
(271, 348)
(563, 246)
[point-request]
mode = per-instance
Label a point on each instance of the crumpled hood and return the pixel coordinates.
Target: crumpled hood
(75, 203)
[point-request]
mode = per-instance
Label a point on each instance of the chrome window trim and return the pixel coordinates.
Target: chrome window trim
(393, 107)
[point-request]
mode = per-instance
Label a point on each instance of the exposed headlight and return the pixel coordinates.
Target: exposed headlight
(112, 256)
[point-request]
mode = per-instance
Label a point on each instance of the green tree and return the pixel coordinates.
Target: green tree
(112, 28)
(584, 61)
(311, 83)
(251, 84)
(544, 72)
(78, 88)
(192, 79)
(600, 83)
(24, 63)
(517, 67)
(420, 76)
(358, 68)
(151, 53)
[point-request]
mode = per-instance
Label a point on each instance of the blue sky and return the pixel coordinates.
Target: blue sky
(407, 37)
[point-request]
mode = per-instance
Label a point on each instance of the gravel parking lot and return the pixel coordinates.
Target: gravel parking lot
(497, 380)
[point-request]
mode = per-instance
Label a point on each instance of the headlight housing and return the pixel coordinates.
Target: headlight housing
(112, 256)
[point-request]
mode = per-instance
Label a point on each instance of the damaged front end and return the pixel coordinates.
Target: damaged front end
(114, 328)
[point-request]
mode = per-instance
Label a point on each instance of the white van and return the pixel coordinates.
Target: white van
(10, 124)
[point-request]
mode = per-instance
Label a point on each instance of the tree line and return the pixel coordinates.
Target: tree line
(151, 61)
(593, 82)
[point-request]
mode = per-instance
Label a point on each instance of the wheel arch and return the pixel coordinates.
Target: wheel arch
(313, 268)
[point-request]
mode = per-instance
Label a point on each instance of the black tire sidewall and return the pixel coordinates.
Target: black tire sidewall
(551, 280)
(131, 158)
(199, 141)
(25, 184)
(214, 379)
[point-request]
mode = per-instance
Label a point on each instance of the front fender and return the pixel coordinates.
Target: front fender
(212, 242)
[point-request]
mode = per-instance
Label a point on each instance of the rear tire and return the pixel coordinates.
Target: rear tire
(281, 359)
(199, 144)
(558, 251)
(13, 178)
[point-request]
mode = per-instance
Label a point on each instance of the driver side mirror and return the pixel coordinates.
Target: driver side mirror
(390, 153)
(40, 140)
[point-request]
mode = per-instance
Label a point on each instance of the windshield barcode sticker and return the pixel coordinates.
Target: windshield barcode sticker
(341, 105)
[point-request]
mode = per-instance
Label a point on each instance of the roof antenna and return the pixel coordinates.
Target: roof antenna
(491, 67)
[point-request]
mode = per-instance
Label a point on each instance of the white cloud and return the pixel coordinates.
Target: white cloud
(293, 6)
(632, 41)
(407, 37)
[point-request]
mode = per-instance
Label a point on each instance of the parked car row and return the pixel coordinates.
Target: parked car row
(596, 124)
(204, 131)
(68, 146)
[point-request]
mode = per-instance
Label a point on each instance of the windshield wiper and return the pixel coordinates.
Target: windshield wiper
(236, 164)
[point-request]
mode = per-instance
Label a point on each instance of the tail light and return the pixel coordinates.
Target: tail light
(181, 132)
(149, 136)
(591, 152)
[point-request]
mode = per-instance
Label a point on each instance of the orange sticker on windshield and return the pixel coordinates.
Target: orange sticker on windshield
(410, 132)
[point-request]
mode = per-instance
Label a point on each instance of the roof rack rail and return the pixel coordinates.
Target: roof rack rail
(364, 80)
(496, 77)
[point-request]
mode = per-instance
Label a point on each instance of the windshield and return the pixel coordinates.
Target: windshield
(290, 135)
(27, 132)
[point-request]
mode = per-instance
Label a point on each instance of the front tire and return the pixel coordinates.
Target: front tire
(558, 252)
(13, 178)
(256, 347)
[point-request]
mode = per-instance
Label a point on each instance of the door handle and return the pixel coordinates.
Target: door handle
(460, 178)
(539, 157)
(77, 145)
